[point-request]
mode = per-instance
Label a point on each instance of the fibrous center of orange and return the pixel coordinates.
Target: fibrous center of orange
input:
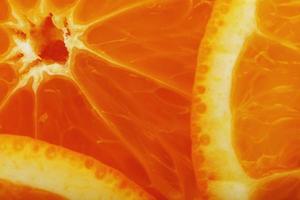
(43, 47)
(48, 41)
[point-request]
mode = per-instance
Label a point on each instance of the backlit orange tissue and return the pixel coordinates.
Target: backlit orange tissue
(149, 99)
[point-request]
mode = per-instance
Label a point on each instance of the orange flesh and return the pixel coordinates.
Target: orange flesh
(7, 79)
(285, 188)
(126, 101)
(5, 11)
(246, 105)
(265, 99)
(62, 3)
(4, 41)
(266, 115)
(24, 5)
(13, 191)
(279, 19)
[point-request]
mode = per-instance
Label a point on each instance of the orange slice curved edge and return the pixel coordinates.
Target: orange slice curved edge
(111, 80)
(245, 115)
(43, 166)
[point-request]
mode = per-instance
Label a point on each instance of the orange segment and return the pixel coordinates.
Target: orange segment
(80, 129)
(90, 10)
(64, 9)
(17, 114)
(4, 41)
(67, 118)
(263, 108)
(8, 79)
(5, 11)
(150, 138)
(24, 5)
(70, 175)
(219, 172)
(61, 4)
(280, 19)
(156, 42)
(113, 81)
(246, 110)
(7, 73)
(278, 187)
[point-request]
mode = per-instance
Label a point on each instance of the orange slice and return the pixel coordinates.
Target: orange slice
(54, 169)
(107, 79)
(14, 191)
(245, 115)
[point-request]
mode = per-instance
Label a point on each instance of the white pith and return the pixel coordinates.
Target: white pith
(227, 33)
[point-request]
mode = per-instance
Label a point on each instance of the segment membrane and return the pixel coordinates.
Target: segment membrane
(265, 105)
(280, 19)
(150, 120)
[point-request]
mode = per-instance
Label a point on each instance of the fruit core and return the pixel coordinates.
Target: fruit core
(48, 42)
(42, 48)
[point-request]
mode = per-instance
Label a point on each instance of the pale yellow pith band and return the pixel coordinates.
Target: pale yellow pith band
(231, 24)
(43, 166)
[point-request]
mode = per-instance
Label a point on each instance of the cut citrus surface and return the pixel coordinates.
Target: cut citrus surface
(246, 110)
(111, 80)
(17, 191)
(50, 168)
